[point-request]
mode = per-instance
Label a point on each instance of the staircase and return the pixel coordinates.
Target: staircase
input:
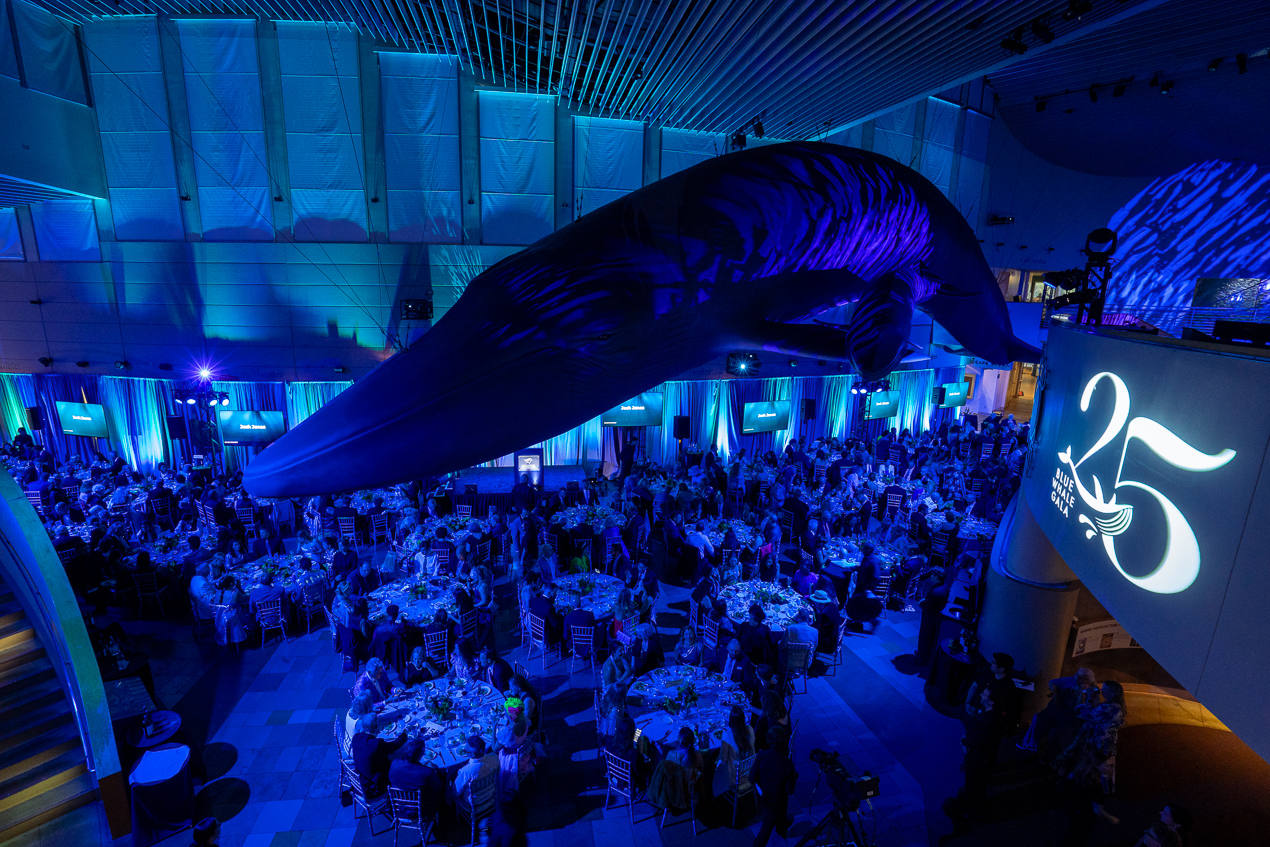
(43, 770)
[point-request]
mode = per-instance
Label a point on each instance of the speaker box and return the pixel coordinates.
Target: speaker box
(682, 429)
(34, 420)
(809, 408)
(177, 428)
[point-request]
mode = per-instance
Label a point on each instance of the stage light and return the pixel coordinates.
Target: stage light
(1042, 31)
(204, 373)
(211, 402)
(738, 141)
(1013, 43)
(1166, 87)
(1077, 8)
(1241, 62)
(189, 401)
(1093, 94)
(1215, 64)
(45, 361)
(1100, 244)
(1119, 90)
(758, 128)
(793, 363)
(742, 364)
(224, 399)
(1040, 105)
(123, 366)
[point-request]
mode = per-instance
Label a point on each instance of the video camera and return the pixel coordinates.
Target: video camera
(849, 791)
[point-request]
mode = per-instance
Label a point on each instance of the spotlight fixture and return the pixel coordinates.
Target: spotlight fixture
(224, 399)
(742, 364)
(1119, 90)
(856, 388)
(1093, 94)
(165, 366)
(1166, 87)
(793, 363)
(45, 361)
(190, 401)
(1000, 220)
(1155, 80)
(1076, 9)
(1013, 43)
(1215, 64)
(81, 364)
(1040, 105)
(211, 401)
(738, 140)
(123, 366)
(1241, 62)
(1042, 31)
(204, 373)
(758, 127)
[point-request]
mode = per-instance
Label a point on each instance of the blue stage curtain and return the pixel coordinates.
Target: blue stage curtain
(17, 392)
(305, 398)
(71, 388)
(253, 397)
(699, 400)
(136, 411)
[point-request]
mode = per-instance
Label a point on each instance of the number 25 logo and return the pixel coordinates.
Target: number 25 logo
(1178, 568)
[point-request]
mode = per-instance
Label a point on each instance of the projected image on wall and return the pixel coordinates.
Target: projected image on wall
(771, 416)
(882, 404)
(86, 419)
(250, 428)
(644, 410)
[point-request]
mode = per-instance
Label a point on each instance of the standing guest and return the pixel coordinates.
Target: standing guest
(932, 606)
(1054, 726)
(979, 743)
(618, 669)
(1173, 829)
(522, 688)
(1083, 763)
(773, 775)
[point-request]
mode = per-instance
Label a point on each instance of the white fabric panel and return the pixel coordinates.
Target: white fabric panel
(428, 216)
(938, 139)
(322, 109)
(893, 134)
(518, 166)
(682, 148)
(10, 238)
(234, 214)
(146, 214)
(8, 58)
(515, 218)
(222, 87)
(132, 112)
(66, 230)
(50, 54)
(608, 161)
(974, 155)
(420, 96)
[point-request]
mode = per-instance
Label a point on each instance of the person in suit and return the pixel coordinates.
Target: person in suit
(932, 607)
(774, 775)
(543, 606)
(755, 636)
(494, 669)
(866, 573)
(828, 619)
(364, 580)
(265, 592)
(406, 772)
(391, 628)
(733, 664)
(344, 561)
(647, 650)
(524, 497)
(372, 758)
(578, 617)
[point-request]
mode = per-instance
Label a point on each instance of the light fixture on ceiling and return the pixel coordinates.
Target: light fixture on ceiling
(123, 365)
(1093, 94)
(738, 140)
(1013, 43)
(1215, 64)
(1166, 87)
(1076, 9)
(758, 127)
(45, 361)
(1241, 62)
(1119, 90)
(1042, 31)
(1040, 105)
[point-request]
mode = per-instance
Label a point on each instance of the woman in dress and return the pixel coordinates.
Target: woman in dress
(612, 707)
(1086, 760)
(688, 651)
(524, 689)
(737, 744)
(462, 661)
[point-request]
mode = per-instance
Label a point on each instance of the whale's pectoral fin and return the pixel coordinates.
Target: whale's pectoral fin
(811, 340)
(880, 327)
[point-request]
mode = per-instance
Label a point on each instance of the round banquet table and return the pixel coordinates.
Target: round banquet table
(475, 708)
(658, 716)
(779, 604)
(416, 608)
(598, 592)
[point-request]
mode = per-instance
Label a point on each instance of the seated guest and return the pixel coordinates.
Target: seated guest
(685, 752)
(374, 680)
(344, 561)
(303, 578)
(543, 606)
(227, 592)
(406, 772)
(419, 669)
(390, 628)
(361, 715)
(442, 544)
(364, 580)
(479, 764)
(372, 757)
(266, 592)
(737, 744)
(196, 554)
(441, 623)
(732, 663)
(698, 538)
(463, 601)
(463, 661)
(646, 650)
(494, 670)
(579, 617)
(359, 620)
(689, 649)
(755, 636)
(522, 688)
(199, 585)
(800, 630)
(618, 668)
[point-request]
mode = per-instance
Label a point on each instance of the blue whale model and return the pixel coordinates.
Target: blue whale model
(727, 255)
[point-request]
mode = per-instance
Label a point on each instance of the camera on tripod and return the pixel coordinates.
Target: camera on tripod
(849, 791)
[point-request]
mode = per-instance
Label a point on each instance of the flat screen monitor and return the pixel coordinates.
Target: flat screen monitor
(771, 416)
(87, 419)
(644, 410)
(955, 394)
(248, 428)
(882, 404)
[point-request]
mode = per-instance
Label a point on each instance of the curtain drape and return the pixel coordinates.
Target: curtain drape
(72, 388)
(17, 392)
(136, 411)
(305, 398)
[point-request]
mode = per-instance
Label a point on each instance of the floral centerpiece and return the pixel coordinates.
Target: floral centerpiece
(420, 590)
(584, 585)
(166, 543)
(439, 706)
(685, 697)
